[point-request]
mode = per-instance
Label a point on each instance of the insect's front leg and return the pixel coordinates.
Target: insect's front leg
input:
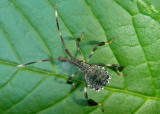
(70, 77)
(90, 101)
(95, 48)
(118, 68)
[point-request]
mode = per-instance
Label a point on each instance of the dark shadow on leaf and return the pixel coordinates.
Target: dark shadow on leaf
(93, 42)
(81, 102)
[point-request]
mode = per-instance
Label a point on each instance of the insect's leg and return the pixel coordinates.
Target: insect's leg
(60, 59)
(77, 43)
(70, 77)
(90, 101)
(56, 14)
(118, 67)
(94, 49)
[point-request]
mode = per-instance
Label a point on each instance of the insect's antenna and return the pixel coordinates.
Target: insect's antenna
(60, 59)
(22, 65)
(68, 53)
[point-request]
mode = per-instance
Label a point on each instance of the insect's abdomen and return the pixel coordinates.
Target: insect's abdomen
(97, 78)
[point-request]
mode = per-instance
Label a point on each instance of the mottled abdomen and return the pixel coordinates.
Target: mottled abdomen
(97, 78)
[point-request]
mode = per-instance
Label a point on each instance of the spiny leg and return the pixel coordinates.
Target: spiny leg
(70, 77)
(77, 43)
(118, 67)
(60, 59)
(90, 101)
(94, 49)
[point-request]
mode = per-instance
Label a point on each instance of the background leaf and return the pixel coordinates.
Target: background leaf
(28, 33)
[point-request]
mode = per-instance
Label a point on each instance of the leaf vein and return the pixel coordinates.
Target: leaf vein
(145, 56)
(10, 44)
(27, 94)
(36, 31)
(59, 101)
(140, 46)
(13, 75)
(105, 34)
(140, 106)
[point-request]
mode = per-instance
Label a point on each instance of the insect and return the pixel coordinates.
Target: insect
(96, 76)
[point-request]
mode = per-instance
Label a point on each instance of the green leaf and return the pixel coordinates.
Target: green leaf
(28, 33)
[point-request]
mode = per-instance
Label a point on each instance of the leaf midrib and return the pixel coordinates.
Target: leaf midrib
(77, 80)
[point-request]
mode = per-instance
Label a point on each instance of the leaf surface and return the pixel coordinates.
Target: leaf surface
(28, 33)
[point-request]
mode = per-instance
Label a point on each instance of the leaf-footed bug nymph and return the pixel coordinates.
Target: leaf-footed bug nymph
(96, 76)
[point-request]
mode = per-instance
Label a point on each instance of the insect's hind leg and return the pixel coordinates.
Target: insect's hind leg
(90, 101)
(77, 43)
(118, 68)
(94, 49)
(70, 77)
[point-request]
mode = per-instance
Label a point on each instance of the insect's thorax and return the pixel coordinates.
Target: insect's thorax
(96, 77)
(83, 67)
